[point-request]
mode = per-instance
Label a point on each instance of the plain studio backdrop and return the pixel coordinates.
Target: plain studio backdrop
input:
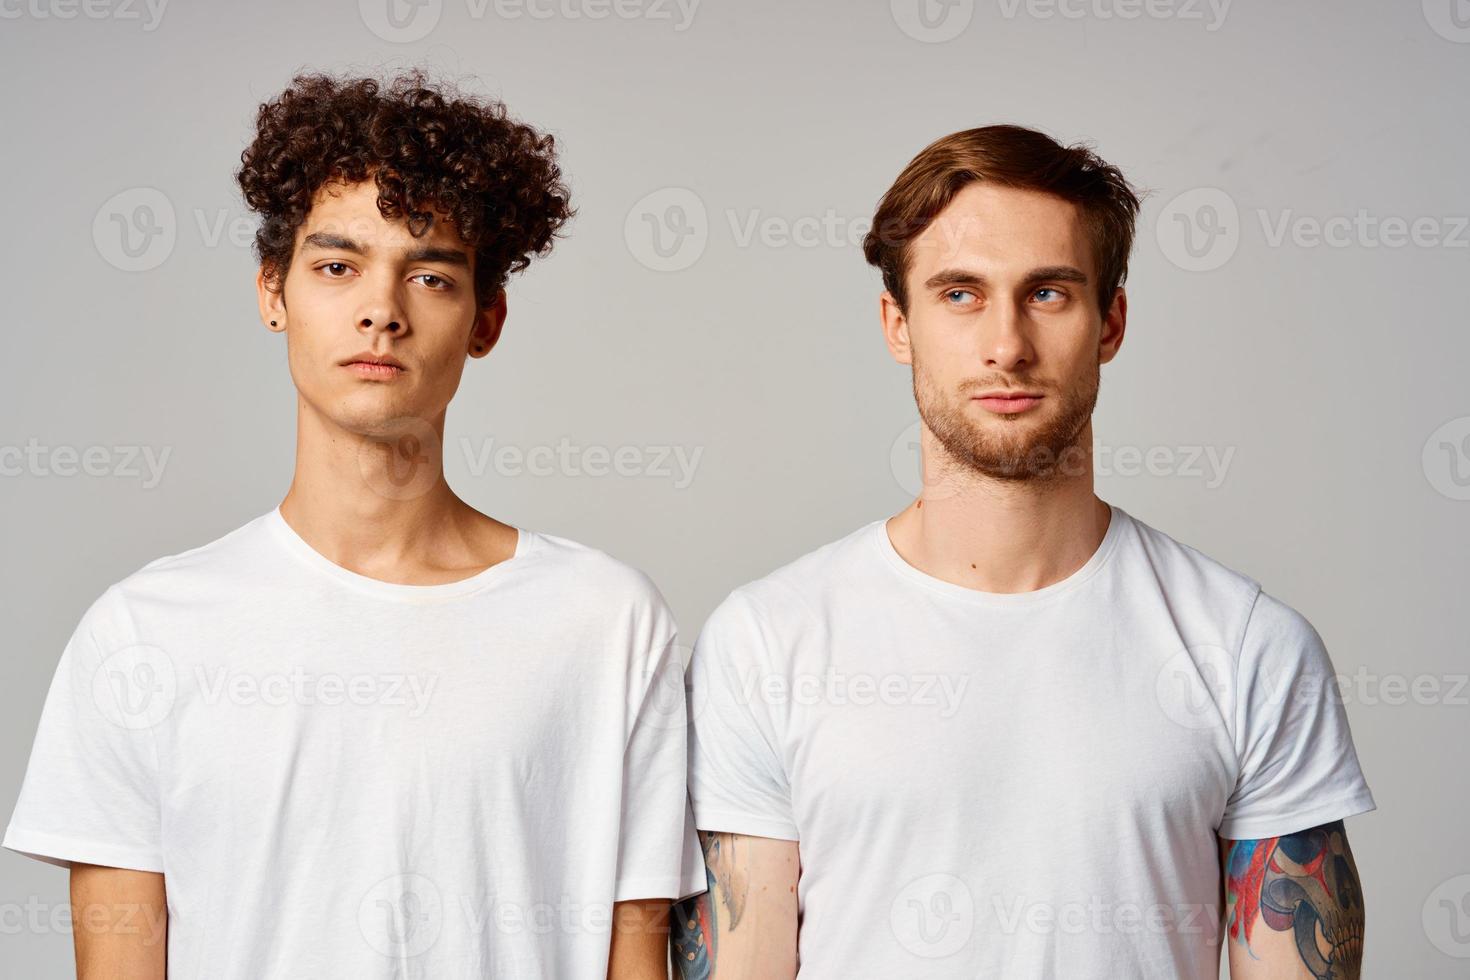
(695, 380)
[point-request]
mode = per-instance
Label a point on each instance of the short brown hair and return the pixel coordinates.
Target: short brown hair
(1011, 156)
(426, 146)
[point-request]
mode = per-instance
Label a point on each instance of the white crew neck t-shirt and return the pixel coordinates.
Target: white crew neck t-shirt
(345, 777)
(1014, 785)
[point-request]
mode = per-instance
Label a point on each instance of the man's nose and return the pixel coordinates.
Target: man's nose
(1004, 342)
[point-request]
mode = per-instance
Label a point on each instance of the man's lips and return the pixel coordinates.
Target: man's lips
(373, 371)
(1008, 402)
(377, 367)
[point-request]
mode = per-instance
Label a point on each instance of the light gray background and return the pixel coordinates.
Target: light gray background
(1332, 373)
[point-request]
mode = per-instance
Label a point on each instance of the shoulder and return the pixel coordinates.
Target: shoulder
(1256, 619)
(801, 592)
(593, 566)
(1195, 587)
(595, 575)
(1278, 637)
(215, 567)
(1182, 567)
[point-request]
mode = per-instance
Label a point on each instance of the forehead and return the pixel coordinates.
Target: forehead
(351, 211)
(994, 228)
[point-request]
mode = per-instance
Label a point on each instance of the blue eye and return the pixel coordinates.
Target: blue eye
(953, 293)
(1048, 289)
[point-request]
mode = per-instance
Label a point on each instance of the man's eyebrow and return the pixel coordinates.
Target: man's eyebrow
(968, 277)
(421, 253)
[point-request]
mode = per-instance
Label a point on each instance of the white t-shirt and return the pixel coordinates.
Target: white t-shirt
(1014, 785)
(345, 777)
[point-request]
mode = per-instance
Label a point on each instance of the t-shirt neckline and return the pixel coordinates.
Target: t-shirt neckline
(297, 545)
(878, 533)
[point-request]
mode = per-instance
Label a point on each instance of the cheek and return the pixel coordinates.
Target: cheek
(942, 339)
(306, 350)
(443, 367)
(937, 381)
(1071, 346)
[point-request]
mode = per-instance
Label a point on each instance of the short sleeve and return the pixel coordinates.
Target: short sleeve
(1297, 764)
(737, 780)
(90, 793)
(658, 848)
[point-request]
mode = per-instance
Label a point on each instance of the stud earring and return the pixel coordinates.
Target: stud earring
(273, 323)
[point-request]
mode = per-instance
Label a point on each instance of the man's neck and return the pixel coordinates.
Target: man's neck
(1003, 536)
(382, 508)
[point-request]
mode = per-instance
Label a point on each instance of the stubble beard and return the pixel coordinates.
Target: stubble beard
(1015, 448)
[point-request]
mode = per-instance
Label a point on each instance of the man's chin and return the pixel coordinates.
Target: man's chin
(1020, 455)
(373, 412)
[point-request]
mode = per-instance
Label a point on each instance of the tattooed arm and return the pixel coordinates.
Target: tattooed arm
(1295, 906)
(744, 927)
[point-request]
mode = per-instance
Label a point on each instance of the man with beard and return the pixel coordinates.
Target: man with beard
(1144, 752)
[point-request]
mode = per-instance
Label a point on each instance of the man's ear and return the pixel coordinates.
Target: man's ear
(895, 328)
(1115, 323)
(488, 324)
(272, 298)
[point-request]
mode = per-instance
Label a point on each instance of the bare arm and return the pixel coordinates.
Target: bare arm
(119, 923)
(1295, 906)
(744, 927)
(640, 940)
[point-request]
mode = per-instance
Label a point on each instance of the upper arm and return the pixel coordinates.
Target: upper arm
(640, 940)
(1297, 764)
(119, 923)
(91, 789)
(738, 779)
(744, 927)
(1295, 906)
(658, 851)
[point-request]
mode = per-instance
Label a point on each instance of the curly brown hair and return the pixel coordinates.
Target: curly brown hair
(495, 179)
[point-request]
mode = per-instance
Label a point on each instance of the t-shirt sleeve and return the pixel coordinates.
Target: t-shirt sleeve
(658, 848)
(737, 781)
(90, 793)
(1297, 765)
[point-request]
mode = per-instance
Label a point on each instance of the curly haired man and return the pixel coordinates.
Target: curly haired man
(374, 732)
